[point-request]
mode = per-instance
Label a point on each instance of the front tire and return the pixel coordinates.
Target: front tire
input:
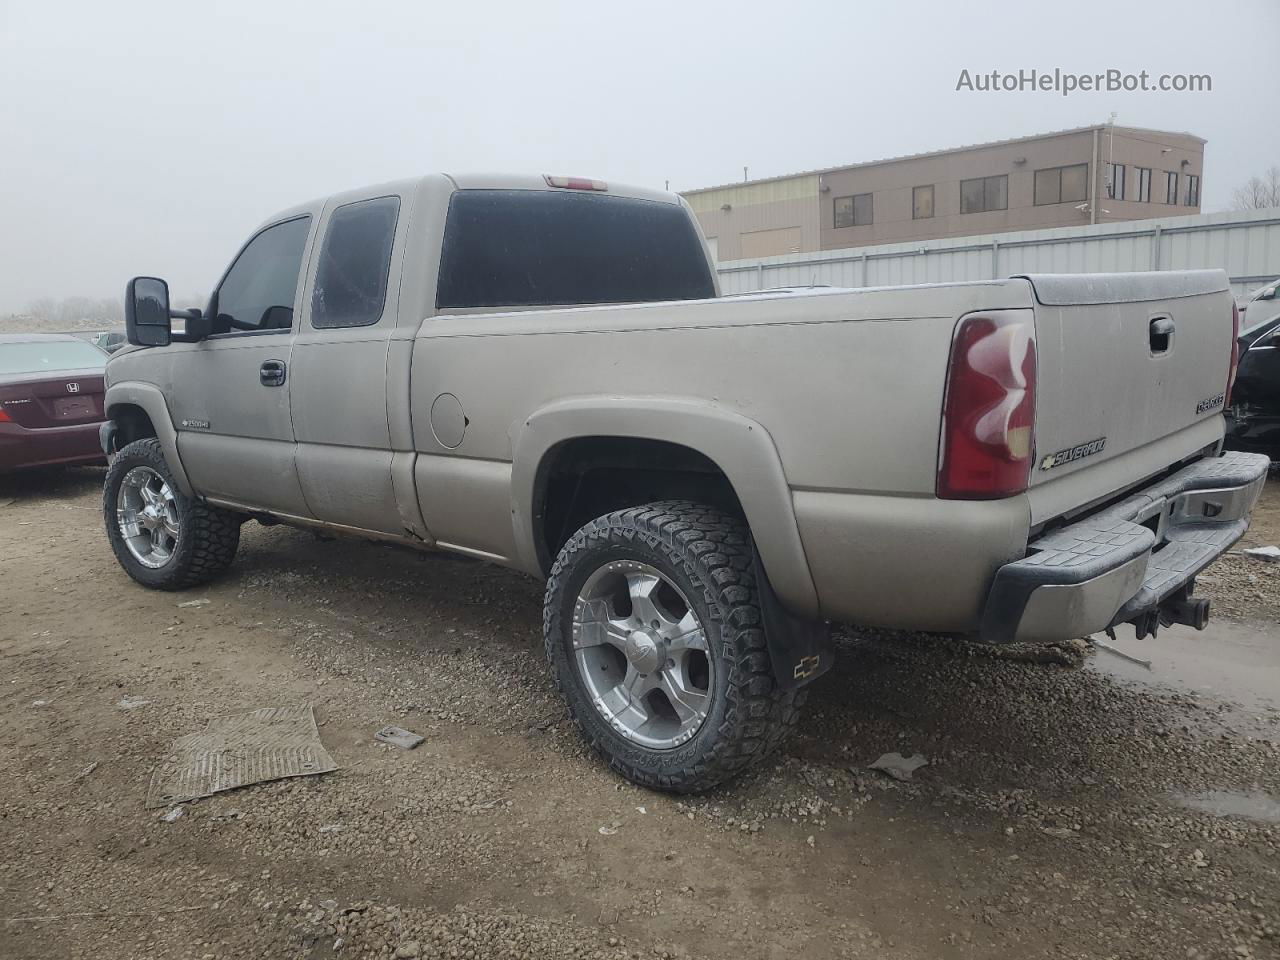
(654, 632)
(163, 539)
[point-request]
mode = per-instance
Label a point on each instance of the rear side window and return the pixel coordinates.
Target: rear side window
(355, 259)
(509, 248)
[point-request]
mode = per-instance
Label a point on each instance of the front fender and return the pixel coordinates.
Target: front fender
(150, 400)
(740, 447)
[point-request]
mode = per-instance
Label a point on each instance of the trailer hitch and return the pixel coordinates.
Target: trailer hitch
(1179, 607)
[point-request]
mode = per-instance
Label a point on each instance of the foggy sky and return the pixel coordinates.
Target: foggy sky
(149, 138)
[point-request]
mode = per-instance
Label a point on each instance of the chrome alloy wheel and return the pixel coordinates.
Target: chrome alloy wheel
(643, 654)
(147, 512)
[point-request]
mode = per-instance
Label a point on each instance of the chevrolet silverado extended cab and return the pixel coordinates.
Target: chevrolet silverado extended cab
(538, 372)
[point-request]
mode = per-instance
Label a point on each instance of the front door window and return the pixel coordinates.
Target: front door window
(258, 291)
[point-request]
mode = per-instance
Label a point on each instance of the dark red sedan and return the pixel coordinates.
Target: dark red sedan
(50, 400)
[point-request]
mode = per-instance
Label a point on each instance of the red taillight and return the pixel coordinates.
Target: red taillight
(575, 183)
(989, 411)
(4, 417)
(1235, 354)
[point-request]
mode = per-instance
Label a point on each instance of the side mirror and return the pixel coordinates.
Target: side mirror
(146, 312)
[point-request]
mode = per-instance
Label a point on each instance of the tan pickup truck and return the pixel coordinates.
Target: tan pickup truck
(539, 372)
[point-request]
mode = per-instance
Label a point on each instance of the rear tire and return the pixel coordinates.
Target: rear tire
(163, 539)
(724, 713)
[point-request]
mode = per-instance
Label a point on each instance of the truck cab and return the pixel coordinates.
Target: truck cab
(332, 292)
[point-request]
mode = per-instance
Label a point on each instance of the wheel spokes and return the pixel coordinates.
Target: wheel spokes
(594, 626)
(648, 610)
(688, 635)
(637, 685)
(129, 526)
(641, 586)
(689, 703)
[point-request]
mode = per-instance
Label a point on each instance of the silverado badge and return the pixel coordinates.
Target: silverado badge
(1072, 454)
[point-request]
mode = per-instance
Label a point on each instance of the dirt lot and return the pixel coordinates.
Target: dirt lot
(1102, 811)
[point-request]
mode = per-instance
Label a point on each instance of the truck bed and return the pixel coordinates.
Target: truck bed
(848, 387)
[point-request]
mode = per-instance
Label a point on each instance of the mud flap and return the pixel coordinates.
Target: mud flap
(801, 650)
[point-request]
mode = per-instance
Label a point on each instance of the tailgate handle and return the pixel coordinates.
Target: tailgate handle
(1161, 333)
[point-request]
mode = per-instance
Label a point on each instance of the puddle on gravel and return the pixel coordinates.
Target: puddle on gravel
(1234, 663)
(1250, 805)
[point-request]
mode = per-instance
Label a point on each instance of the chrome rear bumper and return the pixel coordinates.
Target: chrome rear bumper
(1120, 565)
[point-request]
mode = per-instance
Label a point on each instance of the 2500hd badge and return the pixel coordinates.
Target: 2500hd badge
(1210, 403)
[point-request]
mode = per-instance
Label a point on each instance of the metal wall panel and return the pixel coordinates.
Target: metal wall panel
(1246, 245)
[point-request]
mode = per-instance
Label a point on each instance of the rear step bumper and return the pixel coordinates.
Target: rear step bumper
(1133, 562)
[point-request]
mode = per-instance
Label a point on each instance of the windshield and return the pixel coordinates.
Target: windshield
(39, 356)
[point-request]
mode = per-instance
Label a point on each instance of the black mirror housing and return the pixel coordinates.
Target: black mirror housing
(146, 312)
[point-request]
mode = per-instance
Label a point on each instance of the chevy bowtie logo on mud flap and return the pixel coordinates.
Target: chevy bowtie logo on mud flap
(806, 667)
(1072, 454)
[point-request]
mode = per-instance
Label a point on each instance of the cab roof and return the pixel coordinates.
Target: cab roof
(471, 181)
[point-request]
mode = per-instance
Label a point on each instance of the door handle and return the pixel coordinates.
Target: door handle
(272, 373)
(1161, 334)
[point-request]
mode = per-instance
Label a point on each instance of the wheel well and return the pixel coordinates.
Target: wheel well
(587, 477)
(132, 423)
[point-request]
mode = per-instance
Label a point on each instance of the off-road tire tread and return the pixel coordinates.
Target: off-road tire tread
(209, 535)
(713, 550)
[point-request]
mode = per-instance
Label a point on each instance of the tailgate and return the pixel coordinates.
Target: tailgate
(1131, 373)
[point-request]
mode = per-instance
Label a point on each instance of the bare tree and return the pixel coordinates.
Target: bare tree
(50, 315)
(1259, 193)
(70, 313)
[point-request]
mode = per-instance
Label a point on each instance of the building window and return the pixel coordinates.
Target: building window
(1193, 190)
(922, 202)
(1115, 182)
(843, 212)
(984, 193)
(1144, 184)
(1062, 184)
(1170, 187)
(853, 211)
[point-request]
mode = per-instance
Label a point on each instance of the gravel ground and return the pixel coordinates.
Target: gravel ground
(1063, 812)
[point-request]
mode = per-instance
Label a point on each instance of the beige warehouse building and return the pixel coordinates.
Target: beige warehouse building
(1088, 175)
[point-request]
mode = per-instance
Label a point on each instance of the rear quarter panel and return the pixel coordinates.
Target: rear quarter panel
(847, 384)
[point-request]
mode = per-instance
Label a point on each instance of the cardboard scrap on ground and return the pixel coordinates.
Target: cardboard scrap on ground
(253, 747)
(898, 766)
(1269, 553)
(398, 737)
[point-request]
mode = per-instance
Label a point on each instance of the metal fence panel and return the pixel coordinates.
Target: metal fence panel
(1245, 244)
